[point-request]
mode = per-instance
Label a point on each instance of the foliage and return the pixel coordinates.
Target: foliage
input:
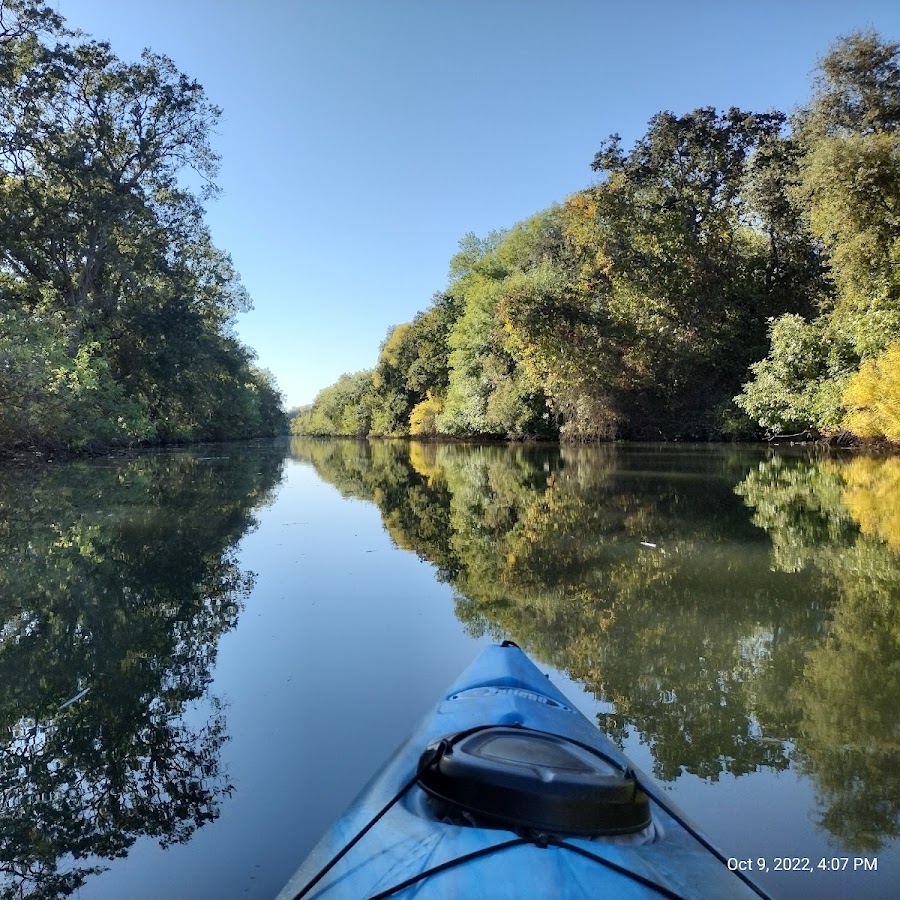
(423, 418)
(429, 368)
(872, 397)
(489, 390)
(344, 408)
(690, 261)
(848, 189)
(106, 266)
(562, 342)
(726, 275)
(797, 387)
(46, 391)
(857, 88)
(391, 398)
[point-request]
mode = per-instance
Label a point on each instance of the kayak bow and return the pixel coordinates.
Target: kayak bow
(506, 791)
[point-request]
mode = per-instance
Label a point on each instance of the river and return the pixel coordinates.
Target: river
(205, 653)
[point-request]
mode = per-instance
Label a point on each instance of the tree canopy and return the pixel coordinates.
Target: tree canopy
(115, 305)
(733, 273)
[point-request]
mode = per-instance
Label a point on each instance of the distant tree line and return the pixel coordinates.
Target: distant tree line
(731, 274)
(115, 306)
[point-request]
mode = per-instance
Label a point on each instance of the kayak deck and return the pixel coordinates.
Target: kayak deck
(502, 687)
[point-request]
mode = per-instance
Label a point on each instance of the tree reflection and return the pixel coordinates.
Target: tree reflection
(848, 695)
(117, 580)
(730, 641)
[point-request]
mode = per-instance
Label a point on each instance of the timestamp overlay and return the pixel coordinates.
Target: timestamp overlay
(818, 876)
(804, 864)
(784, 832)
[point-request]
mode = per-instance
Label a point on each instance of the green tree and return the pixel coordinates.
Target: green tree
(392, 399)
(689, 262)
(344, 408)
(490, 391)
(849, 191)
(797, 388)
(104, 256)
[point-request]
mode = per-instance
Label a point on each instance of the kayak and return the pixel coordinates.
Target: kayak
(505, 790)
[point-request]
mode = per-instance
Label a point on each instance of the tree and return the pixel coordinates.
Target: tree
(103, 245)
(857, 88)
(392, 399)
(489, 390)
(424, 416)
(24, 19)
(344, 408)
(688, 262)
(872, 397)
(430, 331)
(849, 191)
(797, 387)
(91, 148)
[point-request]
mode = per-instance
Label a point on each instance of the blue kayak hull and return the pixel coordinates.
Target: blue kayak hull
(503, 687)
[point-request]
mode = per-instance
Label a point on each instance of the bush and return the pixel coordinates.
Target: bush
(872, 397)
(423, 418)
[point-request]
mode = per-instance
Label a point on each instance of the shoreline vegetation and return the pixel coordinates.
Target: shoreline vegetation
(732, 276)
(116, 308)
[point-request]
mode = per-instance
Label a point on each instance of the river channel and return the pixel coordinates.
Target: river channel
(205, 653)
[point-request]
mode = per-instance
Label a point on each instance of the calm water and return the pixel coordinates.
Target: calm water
(204, 654)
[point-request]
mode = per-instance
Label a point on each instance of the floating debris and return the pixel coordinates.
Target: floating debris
(648, 544)
(74, 699)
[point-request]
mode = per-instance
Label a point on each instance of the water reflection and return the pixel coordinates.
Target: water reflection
(840, 522)
(737, 607)
(117, 580)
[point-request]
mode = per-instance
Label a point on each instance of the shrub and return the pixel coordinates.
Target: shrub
(872, 397)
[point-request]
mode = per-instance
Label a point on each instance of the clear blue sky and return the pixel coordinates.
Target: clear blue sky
(361, 139)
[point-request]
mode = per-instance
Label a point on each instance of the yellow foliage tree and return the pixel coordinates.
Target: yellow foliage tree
(424, 415)
(872, 397)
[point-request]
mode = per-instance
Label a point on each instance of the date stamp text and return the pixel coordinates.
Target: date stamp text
(804, 864)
